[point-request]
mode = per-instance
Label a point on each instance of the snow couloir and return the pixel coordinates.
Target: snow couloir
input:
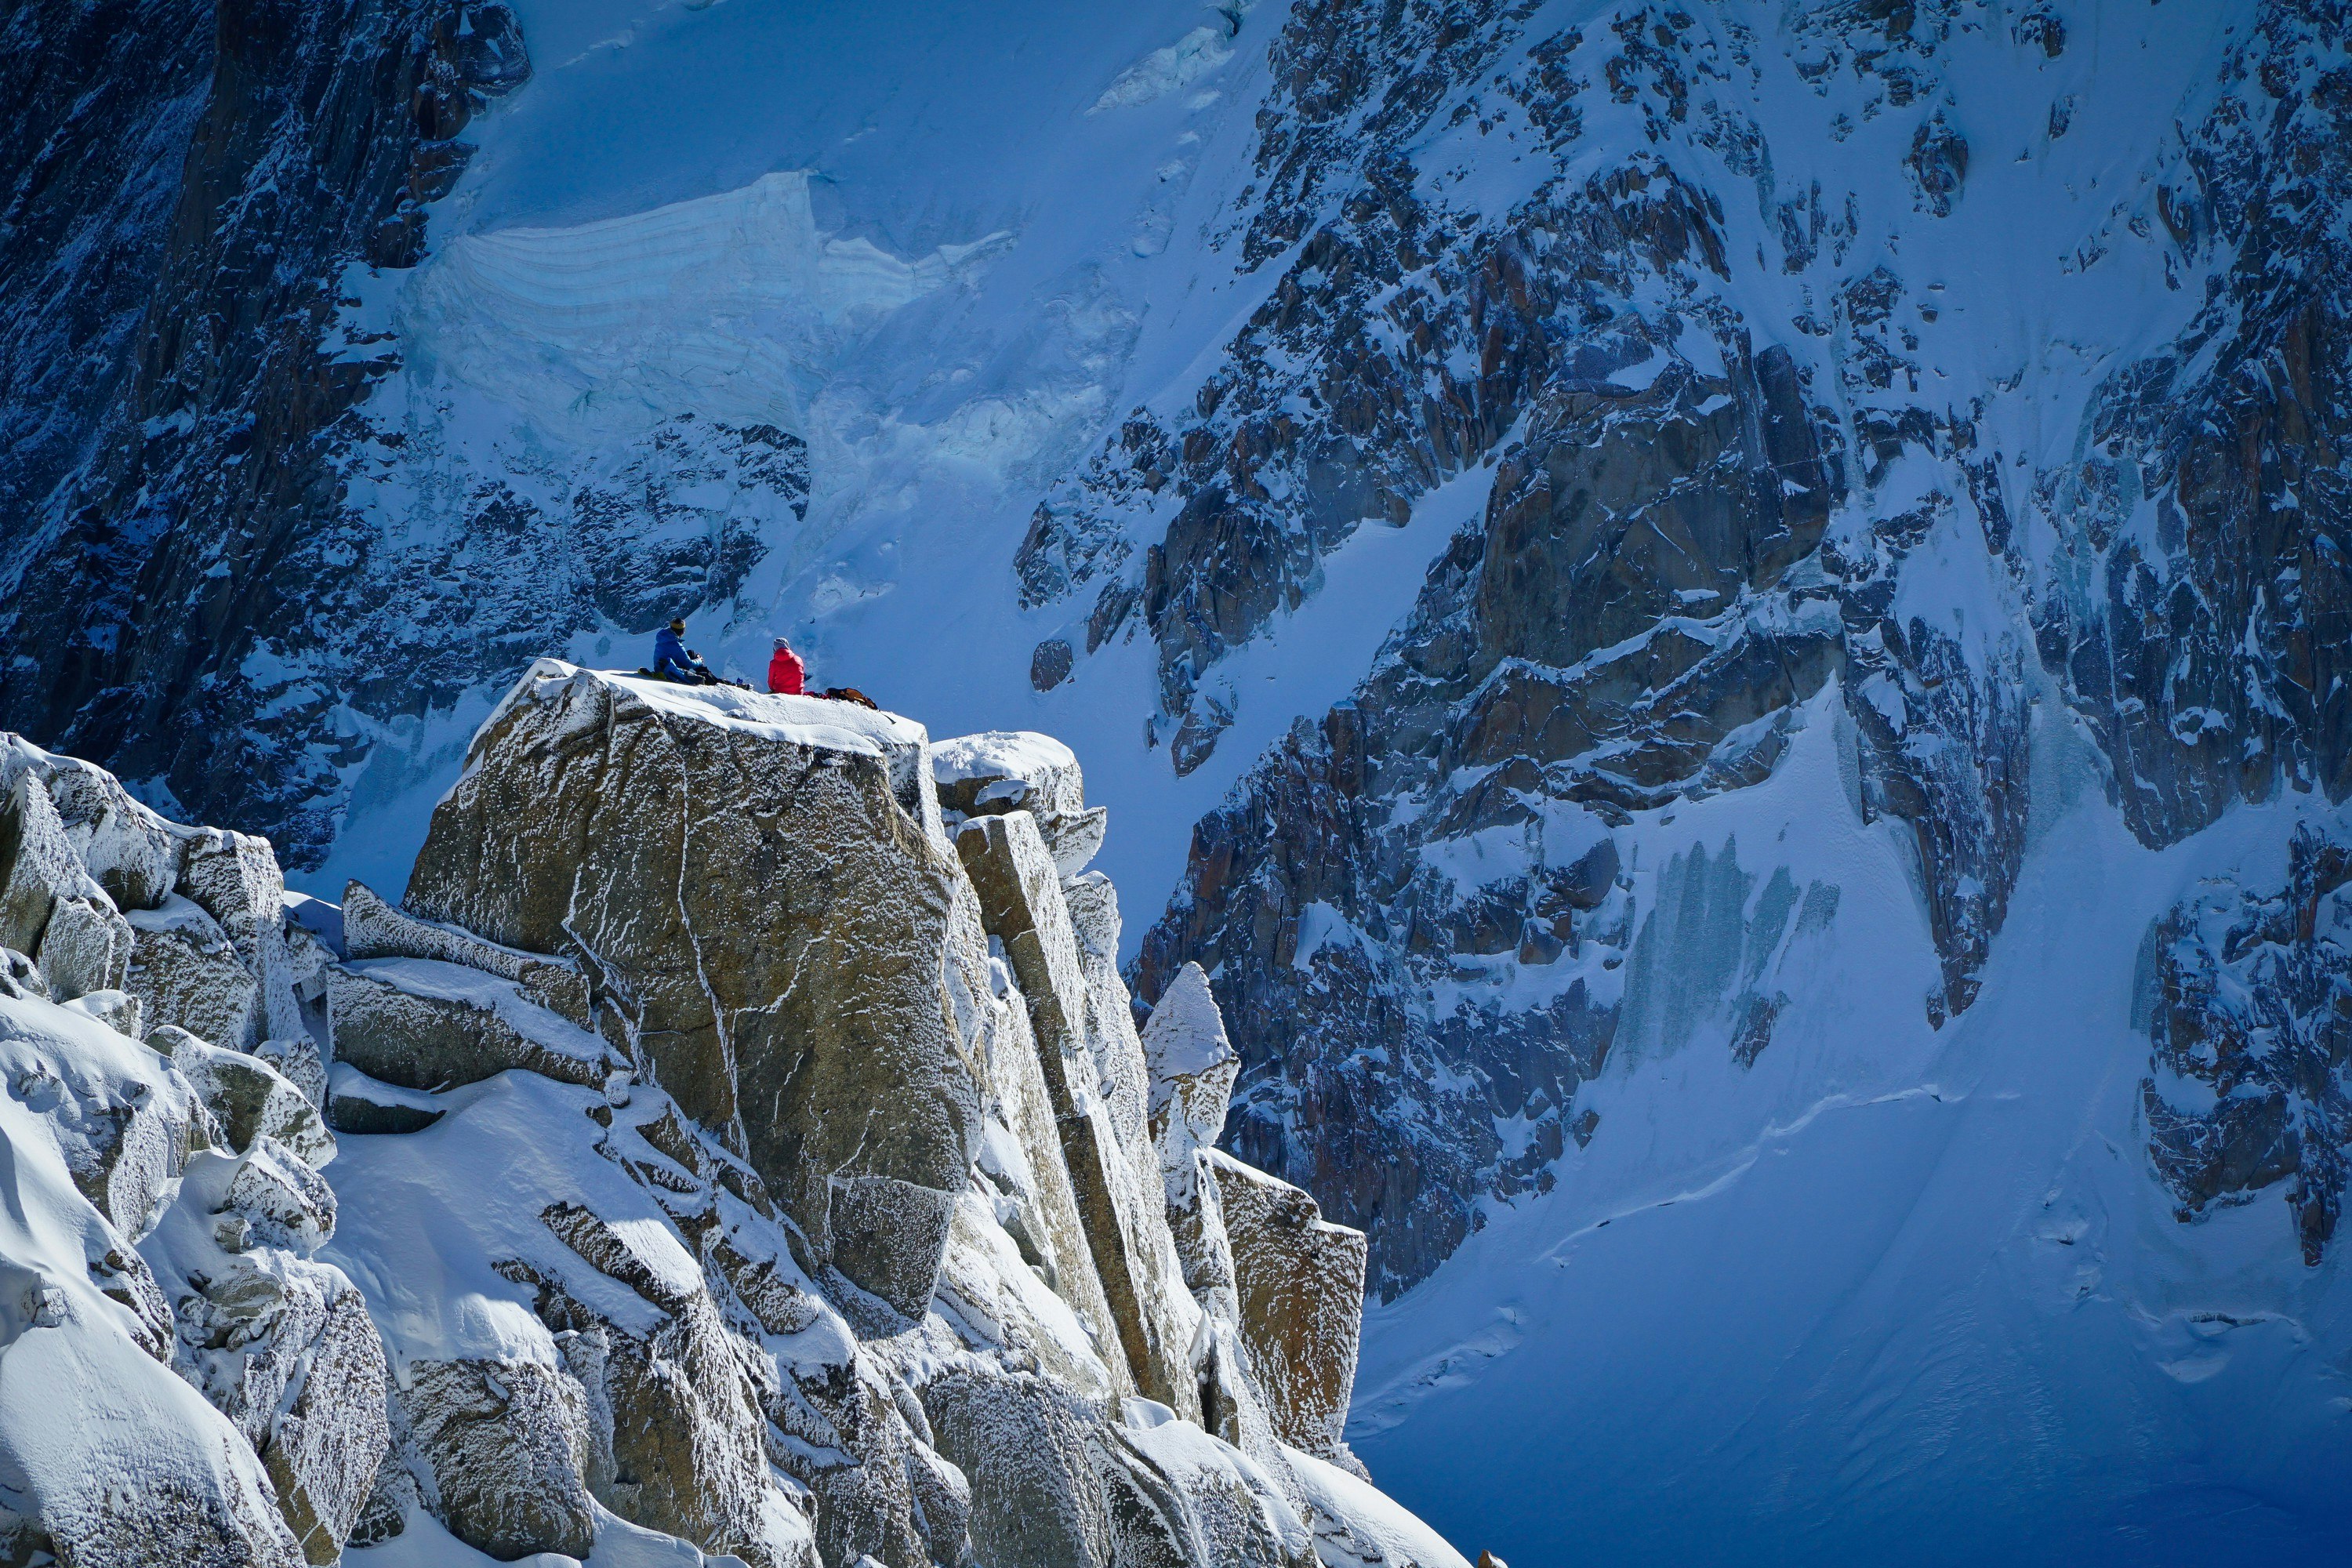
(736, 1140)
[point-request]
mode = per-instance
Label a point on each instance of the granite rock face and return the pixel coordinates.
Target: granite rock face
(1119, 1202)
(760, 891)
(1301, 1286)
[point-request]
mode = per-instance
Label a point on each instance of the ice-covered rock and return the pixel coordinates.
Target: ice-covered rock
(248, 1097)
(759, 887)
(371, 927)
(187, 973)
(111, 1457)
(534, 1304)
(1018, 769)
(1193, 1071)
(234, 878)
(280, 1344)
(505, 1444)
(51, 908)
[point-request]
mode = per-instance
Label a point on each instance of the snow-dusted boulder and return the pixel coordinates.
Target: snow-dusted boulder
(1300, 1281)
(505, 1444)
(186, 974)
(1124, 1215)
(134, 853)
(248, 1098)
(111, 1457)
(51, 908)
(424, 1025)
(373, 929)
(1018, 769)
(761, 885)
(281, 1345)
(86, 948)
(234, 878)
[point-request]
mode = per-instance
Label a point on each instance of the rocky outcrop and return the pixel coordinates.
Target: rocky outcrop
(229, 1389)
(774, 922)
(2246, 994)
(1118, 1205)
(1001, 772)
(374, 929)
(417, 1022)
(1301, 1287)
(247, 1098)
(531, 1293)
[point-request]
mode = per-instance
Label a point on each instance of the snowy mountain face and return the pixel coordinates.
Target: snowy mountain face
(781, 1183)
(1724, 626)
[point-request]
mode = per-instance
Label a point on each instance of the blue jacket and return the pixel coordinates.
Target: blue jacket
(669, 654)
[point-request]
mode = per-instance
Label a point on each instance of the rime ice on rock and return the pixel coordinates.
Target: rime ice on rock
(1301, 1284)
(1018, 769)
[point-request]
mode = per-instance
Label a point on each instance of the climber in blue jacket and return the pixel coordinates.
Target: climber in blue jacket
(674, 661)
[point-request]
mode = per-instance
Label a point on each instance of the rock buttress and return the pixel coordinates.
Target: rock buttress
(758, 888)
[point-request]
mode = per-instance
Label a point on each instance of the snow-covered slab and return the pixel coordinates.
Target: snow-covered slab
(423, 1023)
(1358, 1526)
(999, 771)
(371, 929)
(814, 721)
(1013, 758)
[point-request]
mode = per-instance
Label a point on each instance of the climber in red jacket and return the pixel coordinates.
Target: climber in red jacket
(786, 674)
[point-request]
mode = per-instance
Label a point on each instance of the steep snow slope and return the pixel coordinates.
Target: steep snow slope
(1897, 1297)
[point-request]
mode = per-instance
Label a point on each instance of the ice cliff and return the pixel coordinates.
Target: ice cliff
(721, 1152)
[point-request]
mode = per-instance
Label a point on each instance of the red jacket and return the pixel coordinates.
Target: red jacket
(785, 673)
